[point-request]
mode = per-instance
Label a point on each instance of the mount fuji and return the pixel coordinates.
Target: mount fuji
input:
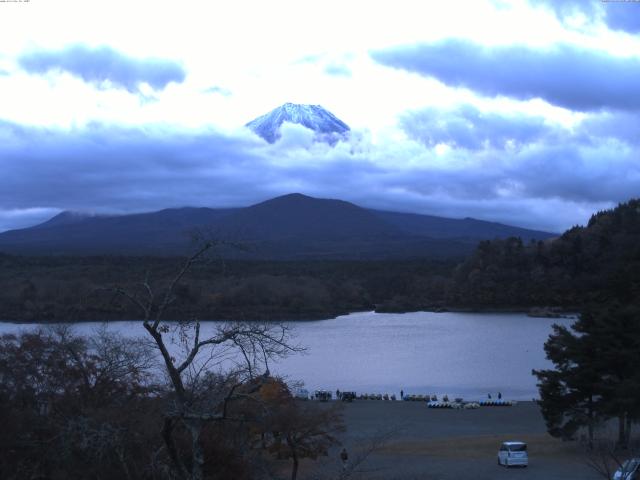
(326, 125)
(288, 227)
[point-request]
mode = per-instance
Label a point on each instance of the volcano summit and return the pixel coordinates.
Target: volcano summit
(326, 125)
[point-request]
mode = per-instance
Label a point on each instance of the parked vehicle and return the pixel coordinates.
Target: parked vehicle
(629, 470)
(302, 394)
(348, 396)
(513, 454)
(323, 395)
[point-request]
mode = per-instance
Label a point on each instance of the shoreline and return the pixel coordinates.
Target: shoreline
(531, 312)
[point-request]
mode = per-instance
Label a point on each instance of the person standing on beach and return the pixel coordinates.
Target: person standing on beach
(338, 394)
(344, 456)
(401, 394)
(499, 395)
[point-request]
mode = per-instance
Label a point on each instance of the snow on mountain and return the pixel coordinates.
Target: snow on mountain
(327, 126)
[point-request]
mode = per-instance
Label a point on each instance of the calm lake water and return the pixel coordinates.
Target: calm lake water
(460, 354)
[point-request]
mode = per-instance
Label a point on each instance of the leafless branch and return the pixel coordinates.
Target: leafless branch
(604, 458)
(370, 446)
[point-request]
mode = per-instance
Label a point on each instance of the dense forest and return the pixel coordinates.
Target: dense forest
(81, 288)
(586, 264)
(592, 264)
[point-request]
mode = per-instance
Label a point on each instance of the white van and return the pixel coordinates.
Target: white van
(629, 470)
(301, 394)
(512, 454)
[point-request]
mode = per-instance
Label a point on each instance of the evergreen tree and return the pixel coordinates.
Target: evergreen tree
(617, 330)
(569, 393)
(596, 375)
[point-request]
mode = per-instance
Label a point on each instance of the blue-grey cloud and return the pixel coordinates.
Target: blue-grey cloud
(556, 177)
(567, 8)
(623, 127)
(23, 218)
(338, 69)
(104, 64)
(623, 16)
(565, 75)
(467, 127)
(616, 14)
(538, 159)
(119, 169)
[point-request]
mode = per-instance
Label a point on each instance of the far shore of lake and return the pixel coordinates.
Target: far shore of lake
(531, 312)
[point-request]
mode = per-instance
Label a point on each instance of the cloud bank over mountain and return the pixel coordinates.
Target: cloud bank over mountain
(512, 169)
(528, 117)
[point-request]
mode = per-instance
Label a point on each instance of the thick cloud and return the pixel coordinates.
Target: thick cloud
(593, 161)
(565, 75)
(467, 127)
(623, 16)
(617, 15)
(112, 168)
(553, 179)
(103, 65)
(616, 127)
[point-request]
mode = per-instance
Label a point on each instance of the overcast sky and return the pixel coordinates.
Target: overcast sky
(523, 111)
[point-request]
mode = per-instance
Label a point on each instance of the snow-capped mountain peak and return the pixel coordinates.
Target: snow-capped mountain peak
(327, 126)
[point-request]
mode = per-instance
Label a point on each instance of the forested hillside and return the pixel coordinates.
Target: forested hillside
(586, 264)
(81, 288)
(598, 262)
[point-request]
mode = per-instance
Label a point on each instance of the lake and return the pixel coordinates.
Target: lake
(459, 354)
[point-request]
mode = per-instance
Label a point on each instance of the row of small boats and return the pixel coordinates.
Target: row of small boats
(431, 400)
(376, 396)
(497, 403)
(428, 398)
(454, 405)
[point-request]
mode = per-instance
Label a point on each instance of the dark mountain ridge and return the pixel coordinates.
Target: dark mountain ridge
(292, 226)
(471, 228)
(299, 216)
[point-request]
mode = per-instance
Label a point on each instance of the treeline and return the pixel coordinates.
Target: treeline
(595, 263)
(51, 289)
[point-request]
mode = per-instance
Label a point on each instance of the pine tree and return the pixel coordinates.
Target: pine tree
(596, 375)
(617, 330)
(569, 394)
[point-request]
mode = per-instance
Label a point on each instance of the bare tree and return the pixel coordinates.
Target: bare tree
(198, 397)
(357, 465)
(605, 456)
(74, 406)
(360, 451)
(296, 429)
